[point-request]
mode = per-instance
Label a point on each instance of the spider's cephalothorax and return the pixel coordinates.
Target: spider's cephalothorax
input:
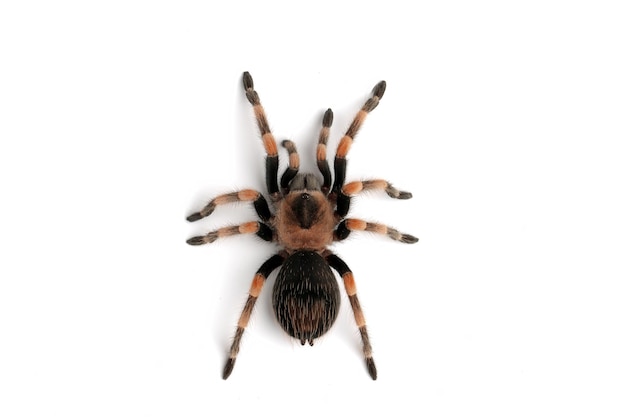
(308, 216)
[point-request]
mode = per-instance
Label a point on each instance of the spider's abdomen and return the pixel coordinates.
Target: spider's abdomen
(306, 296)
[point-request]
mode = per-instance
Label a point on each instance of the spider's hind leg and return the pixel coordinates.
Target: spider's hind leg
(344, 271)
(255, 289)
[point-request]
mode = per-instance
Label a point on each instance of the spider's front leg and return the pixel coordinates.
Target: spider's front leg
(346, 141)
(271, 161)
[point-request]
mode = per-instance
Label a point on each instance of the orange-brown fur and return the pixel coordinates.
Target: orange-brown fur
(321, 152)
(249, 227)
(257, 285)
(248, 195)
(242, 195)
(294, 160)
(247, 312)
(359, 118)
(356, 224)
(292, 236)
(225, 199)
(259, 112)
(270, 144)
(348, 282)
(344, 146)
(228, 231)
(352, 188)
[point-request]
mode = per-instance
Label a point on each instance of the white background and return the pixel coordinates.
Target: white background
(504, 119)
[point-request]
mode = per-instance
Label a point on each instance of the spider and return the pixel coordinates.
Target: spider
(308, 216)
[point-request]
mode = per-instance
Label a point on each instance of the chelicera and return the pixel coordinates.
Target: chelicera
(308, 216)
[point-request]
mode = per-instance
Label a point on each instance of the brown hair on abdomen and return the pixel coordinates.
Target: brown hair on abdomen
(306, 296)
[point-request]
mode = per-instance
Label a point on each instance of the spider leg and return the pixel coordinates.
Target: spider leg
(348, 225)
(260, 204)
(344, 271)
(271, 161)
(348, 138)
(322, 162)
(255, 289)
(294, 164)
(260, 229)
(353, 188)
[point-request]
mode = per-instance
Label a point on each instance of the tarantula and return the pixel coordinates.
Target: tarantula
(308, 216)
